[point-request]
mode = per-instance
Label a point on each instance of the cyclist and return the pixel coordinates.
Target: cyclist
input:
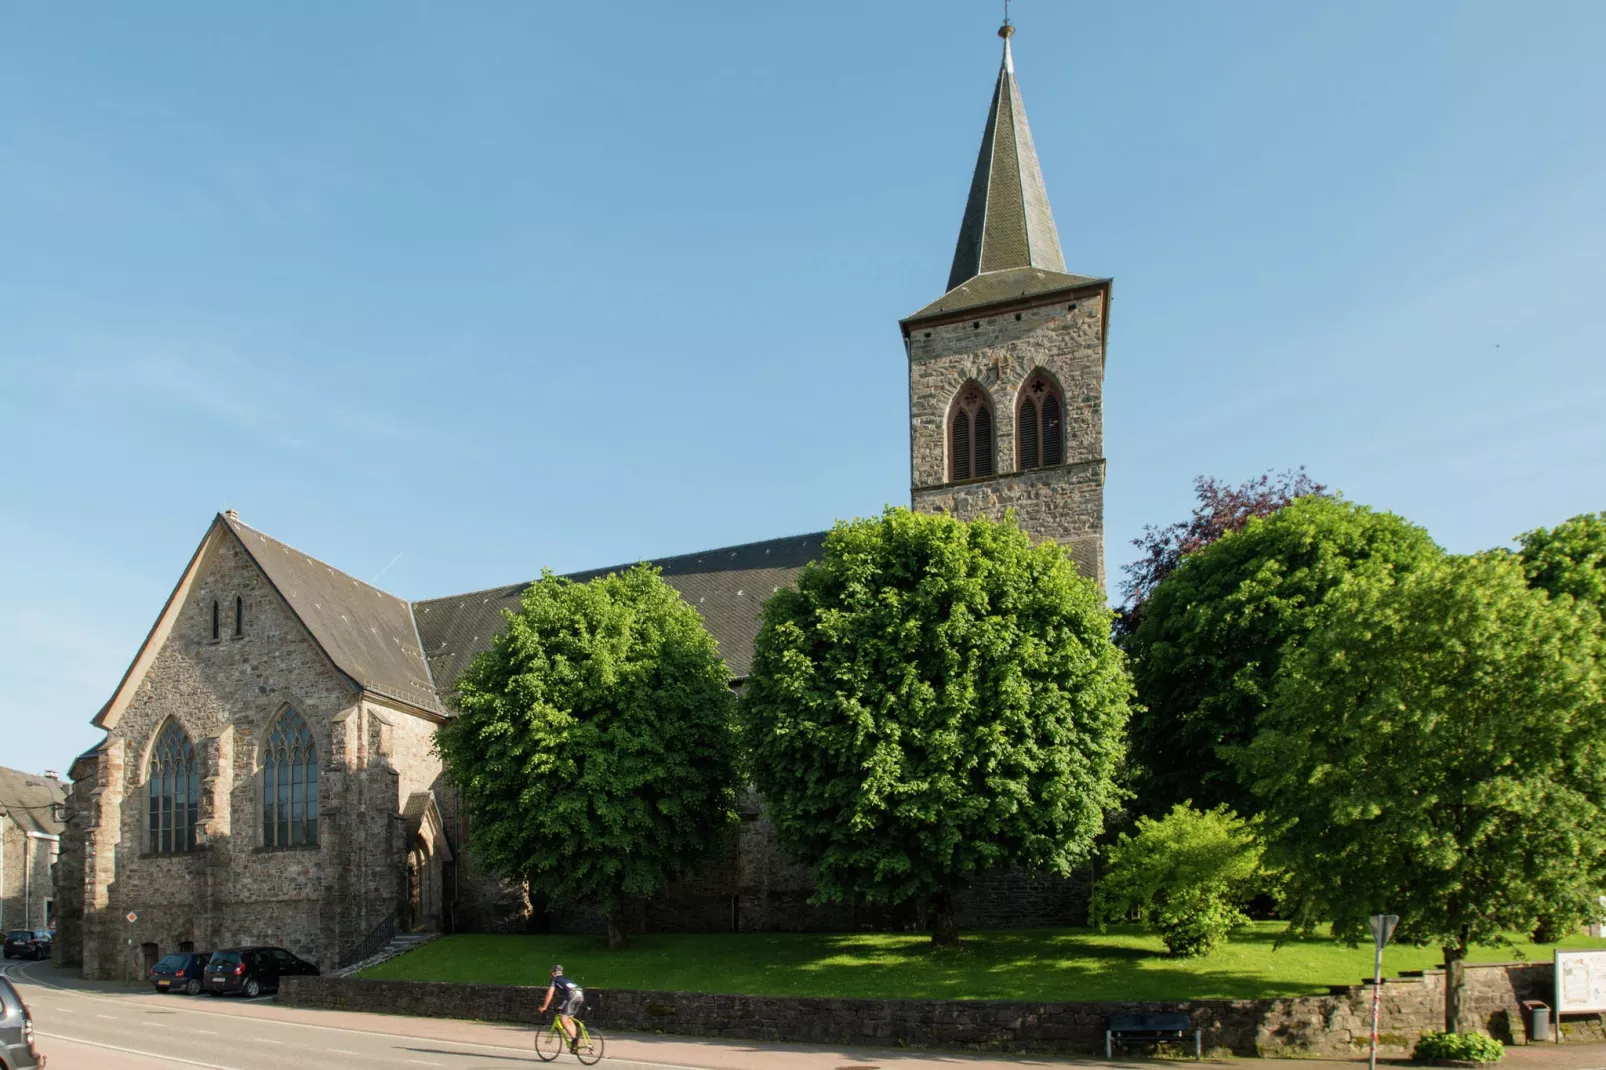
(571, 998)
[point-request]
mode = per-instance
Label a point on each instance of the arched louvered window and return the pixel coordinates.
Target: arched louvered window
(1028, 435)
(173, 791)
(216, 631)
(290, 784)
(970, 434)
(239, 616)
(961, 445)
(1039, 425)
(1053, 433)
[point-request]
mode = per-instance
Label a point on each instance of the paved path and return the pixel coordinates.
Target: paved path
(101, 1026)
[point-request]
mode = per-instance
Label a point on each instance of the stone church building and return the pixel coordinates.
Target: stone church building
(267, 772)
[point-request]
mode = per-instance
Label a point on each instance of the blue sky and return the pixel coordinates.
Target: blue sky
(444, 294)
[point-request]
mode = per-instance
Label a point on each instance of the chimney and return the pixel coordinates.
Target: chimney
(231, 514)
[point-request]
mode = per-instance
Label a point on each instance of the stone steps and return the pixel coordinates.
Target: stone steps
(399, 945)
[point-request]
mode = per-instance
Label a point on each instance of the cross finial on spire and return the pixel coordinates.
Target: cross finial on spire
(1007, 30)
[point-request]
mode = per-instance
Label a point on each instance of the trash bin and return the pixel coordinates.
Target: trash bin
(1538, 1019)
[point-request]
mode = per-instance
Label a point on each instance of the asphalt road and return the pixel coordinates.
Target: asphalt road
(100, 1026)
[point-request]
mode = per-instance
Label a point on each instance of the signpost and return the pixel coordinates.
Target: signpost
(1382, 926)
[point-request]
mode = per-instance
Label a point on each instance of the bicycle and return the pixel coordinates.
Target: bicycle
(550, 1043)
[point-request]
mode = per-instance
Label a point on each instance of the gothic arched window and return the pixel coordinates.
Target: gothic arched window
(970, 434)
(173, 791)
(1040, 425)
(290, 784)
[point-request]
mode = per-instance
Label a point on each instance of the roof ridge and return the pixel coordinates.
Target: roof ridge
(507, 587)
(237, 522)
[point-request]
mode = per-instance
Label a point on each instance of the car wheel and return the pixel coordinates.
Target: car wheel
(253, 988)
(193, 988)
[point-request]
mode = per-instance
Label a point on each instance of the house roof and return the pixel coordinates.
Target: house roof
(26, 798)
(727, 586)
(368, 633)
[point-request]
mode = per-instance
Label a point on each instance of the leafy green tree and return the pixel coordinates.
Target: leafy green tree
(1190, 873)
(595, 743)
(1435, 750)
(1213, 632)
(1569, 558)
(936, 698)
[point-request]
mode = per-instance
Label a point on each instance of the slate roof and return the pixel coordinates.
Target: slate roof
(368, 633)
(727, 586)
(1008, 222)
(1008, 245)
(1002, 286)
(26, 799)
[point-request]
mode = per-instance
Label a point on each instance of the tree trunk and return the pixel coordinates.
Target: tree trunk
(944, 921)
(1455, 979)
(615, 913)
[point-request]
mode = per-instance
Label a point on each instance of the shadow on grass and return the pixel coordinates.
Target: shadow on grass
(1126, 962)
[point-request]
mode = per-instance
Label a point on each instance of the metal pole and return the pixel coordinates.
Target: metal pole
(1377, 1001)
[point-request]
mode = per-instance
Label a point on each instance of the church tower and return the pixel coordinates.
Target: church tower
(1006, 369)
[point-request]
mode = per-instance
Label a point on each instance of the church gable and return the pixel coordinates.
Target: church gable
(222, 599)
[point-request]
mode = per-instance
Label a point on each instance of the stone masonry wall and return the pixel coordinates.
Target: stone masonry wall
(1337, 1024)
(27, 893)
(755, 886)
(999, 352)
(225, 693)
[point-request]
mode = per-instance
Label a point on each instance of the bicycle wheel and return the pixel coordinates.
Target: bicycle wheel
(589, 1050)
(549, 1044)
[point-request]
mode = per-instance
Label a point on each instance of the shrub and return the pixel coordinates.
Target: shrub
(1466, 1047)
(1189, 873)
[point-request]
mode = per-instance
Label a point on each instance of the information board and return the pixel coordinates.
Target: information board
(1580, 982)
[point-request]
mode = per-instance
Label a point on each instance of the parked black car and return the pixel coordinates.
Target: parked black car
(16, 1031)
(28, 943)
(251, 970)
(180, 972)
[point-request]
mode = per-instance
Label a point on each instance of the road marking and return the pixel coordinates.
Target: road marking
(522, 1050)
(420, 1062)
(265, 1040)
(342, 1051)
(158, 1056)
(108, 1017)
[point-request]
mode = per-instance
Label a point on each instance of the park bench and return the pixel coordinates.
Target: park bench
(1150, 1029)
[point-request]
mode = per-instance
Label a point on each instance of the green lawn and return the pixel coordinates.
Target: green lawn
(1128, 962)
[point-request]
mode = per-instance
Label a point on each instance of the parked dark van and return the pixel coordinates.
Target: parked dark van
(180, 972)
(28, 943)
(251, 971)
(16, 1031)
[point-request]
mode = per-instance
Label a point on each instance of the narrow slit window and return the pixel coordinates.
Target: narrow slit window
(215, 630)
(239, 616)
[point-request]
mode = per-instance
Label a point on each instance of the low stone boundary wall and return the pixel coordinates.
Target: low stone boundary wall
(1335, 1024)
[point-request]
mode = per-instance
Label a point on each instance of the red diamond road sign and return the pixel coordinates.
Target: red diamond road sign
(132, 917)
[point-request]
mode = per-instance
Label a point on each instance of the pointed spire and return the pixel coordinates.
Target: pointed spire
(1008, 223)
